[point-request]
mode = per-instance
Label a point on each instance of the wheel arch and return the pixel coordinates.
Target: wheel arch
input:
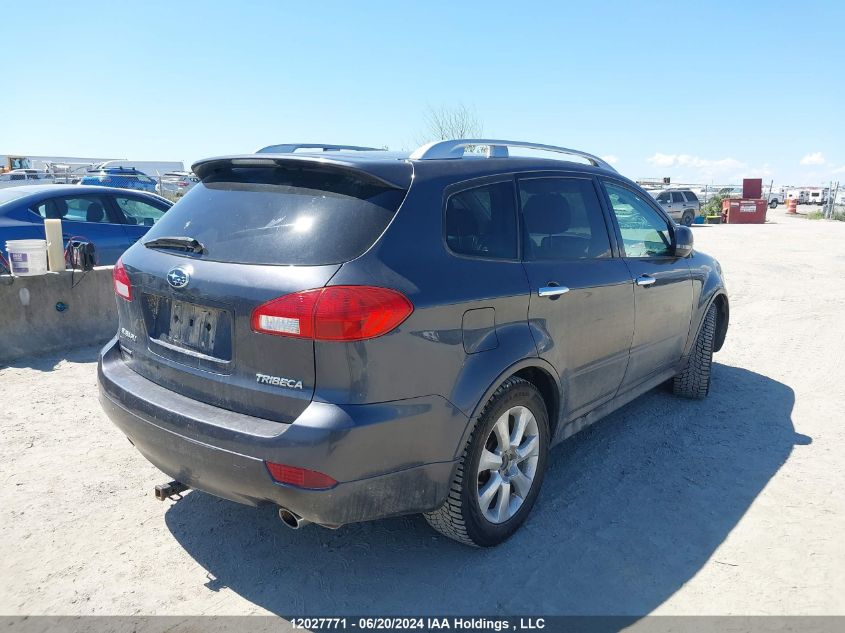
(723, 314)
(535, 370)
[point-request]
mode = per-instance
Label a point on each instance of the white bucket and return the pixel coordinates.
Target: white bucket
(27, 257)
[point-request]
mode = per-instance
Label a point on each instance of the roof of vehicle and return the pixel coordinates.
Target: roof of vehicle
(396, 169)
(47, 191)
(116, 170)
(179, 174)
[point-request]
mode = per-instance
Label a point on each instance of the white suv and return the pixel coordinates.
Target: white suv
(681, 204)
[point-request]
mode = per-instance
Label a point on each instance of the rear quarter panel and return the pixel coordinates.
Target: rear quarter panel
(426, 355)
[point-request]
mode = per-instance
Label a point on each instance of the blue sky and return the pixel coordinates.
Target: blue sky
(705, 92)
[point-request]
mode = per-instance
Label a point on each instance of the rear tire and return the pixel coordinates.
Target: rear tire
(688, 218)
(694, 380)
(474, 512)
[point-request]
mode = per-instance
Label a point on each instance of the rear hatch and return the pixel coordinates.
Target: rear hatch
(251, 232)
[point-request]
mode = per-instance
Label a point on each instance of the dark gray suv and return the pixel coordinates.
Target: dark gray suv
(352, 335)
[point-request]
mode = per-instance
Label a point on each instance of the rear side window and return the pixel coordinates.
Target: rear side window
(691, 197)
(304, 215)
(481, 222)
(562, 219)
(677, 197)
(74, 208)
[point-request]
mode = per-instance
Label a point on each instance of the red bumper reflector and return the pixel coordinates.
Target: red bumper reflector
(300, 477)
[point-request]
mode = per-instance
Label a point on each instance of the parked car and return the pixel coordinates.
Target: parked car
(350, 337)
(682, 205)
(113, 220)
(775, 198)
(121, 177)
(19, 177)
(176, 183)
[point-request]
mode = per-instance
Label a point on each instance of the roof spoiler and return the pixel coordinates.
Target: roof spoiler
(207, 166)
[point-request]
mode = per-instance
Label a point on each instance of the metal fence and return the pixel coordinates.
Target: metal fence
(170, 185)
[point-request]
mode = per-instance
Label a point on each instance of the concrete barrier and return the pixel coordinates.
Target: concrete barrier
(55, 311)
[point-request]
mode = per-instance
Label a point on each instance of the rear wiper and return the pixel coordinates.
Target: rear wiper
(180, 243)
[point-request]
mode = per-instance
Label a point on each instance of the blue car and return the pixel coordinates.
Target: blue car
(112, 219)
(121, 177)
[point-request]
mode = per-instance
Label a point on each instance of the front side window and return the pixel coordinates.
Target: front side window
(481, 222)
(563, 220)
(663, 197)
(74, 209)
(645, 233)
(138, 211)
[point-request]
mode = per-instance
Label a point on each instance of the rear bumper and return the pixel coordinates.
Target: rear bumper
(389, 458)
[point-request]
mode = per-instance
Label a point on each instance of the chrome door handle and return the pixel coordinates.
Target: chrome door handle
(552, 291)
(645, 280)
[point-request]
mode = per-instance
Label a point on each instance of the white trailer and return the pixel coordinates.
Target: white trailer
(817, 195)
(799, 195)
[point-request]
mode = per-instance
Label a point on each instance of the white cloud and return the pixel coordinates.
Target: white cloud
(816, 158)
(838, 170)
(662, 160)
(695, 162)
(611, 158)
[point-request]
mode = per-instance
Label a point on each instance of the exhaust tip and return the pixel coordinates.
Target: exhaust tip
(291, 520)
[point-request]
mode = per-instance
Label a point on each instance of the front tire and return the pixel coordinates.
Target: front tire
(694, 380)
(501, 469)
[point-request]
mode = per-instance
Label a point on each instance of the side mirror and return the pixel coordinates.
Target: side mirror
(683, 241)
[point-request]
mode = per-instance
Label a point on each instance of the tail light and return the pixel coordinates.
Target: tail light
(300, 477)
(122, 287)
(182, 183)
(335, 313)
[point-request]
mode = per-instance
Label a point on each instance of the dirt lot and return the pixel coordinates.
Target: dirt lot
(733, 505)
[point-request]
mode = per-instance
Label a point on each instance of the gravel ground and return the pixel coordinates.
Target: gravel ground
(732, 505)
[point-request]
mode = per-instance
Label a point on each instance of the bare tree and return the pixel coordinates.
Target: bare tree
(450, 122)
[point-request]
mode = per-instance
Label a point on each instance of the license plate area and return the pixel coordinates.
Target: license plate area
(193, 329)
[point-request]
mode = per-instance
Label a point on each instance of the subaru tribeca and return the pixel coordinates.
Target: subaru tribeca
(352, 335)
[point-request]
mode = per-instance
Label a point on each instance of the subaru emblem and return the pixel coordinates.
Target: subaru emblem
(178, 277)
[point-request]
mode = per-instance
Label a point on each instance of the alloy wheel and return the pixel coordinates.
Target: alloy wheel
(508, 464)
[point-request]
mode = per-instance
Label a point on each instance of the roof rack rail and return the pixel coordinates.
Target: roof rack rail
(496, 148)
(290, 148)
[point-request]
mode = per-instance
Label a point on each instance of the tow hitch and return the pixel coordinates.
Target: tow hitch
(168, 491)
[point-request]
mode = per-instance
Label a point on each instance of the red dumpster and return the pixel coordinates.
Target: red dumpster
(744, 211)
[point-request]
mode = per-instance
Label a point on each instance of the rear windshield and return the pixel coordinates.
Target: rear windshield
(281, 215)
